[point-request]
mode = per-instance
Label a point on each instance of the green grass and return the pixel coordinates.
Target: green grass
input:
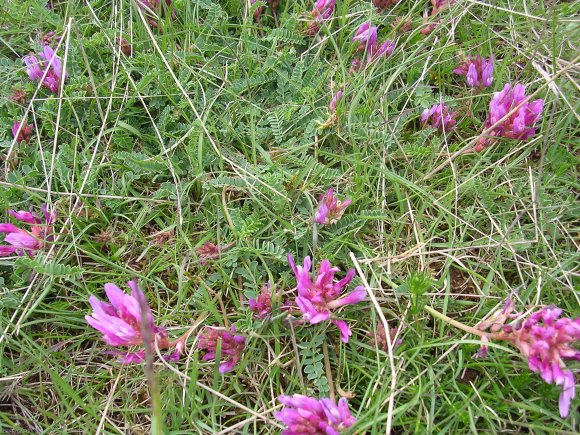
(212, 131)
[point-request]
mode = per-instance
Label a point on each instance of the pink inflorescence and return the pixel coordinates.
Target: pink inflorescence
(25, 132)
(232, 346)
(317, 299)
(261, 306)
(335, 99)
(439, 116)
(380, 339)
(306, 415)
(518, 125)
(546, 340)
(124, 321)
(330, 210)
(321, 12)
(366, 36)
(477, 70)
(29, 242)
(207, 251)
(50, 65)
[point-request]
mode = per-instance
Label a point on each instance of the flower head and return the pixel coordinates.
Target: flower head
(518, 125)
(49, 66)
(25, 132)
(124, 46)
(546, 340)
(335, 99)
(317, 299)
(321, 12)
(29, 242)
(402, 24)
(440, 117)
(323, 9)
(232, 346)
(262, 304)
(477, 70)
(306, 415)
(366, 36)
(207, 251)
(384, 50)
(330, 210)
(380, 339)
(127, 321)
(18, 96)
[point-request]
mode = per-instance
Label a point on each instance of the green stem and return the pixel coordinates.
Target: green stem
(455, 323)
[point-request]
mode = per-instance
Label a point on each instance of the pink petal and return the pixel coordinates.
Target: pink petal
(5, 251)
(345, 331)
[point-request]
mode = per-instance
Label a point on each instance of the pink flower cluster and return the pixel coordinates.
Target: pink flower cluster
(261, 306)
(380, 339)
(477, 70)
(511, 115)
(546, 340)
(330, 210)
(321, 12)
(316, 299)
(306, 415)
(334, 101)
(25, 132)
(127, 321)
(439, 117)
(50, 65)
(232, 346)
(366, 36)
(29, 242)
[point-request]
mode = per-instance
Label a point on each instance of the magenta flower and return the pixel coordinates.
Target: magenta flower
(30, 242)
(262, 304)
(330, 210)
(25, 132)
(518, 125)
(306, 415)
(384, 50)
(440, 117)
(50, 65)
(232, 346)
(477, 70)
(321, 12)
(123, 321)
(323, 9)
(366, 36)
(317, 299)
(335, 99)
(546, 340)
